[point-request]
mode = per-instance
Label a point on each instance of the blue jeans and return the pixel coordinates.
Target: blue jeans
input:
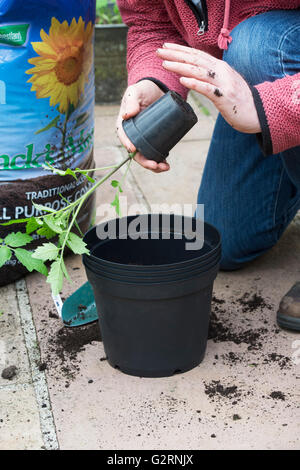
(251, 198)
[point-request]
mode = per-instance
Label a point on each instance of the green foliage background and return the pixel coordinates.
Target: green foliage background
(107, 12)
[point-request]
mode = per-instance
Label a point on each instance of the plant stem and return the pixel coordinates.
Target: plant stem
(96, 185)
(90, 191)
(93, 188)
(82, 199)
(99, 169)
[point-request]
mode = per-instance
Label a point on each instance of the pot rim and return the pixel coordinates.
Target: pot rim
(177, 264)
(147, 269)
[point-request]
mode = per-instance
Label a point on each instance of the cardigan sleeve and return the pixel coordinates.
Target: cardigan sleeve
(278, 108)
(149, 27)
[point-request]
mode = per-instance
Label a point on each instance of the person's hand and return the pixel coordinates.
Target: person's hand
(136, 98)
(216, 80)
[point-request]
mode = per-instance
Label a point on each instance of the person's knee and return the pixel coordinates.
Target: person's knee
(245, 52)
(232, 257)
(256, 41)
(240, 246)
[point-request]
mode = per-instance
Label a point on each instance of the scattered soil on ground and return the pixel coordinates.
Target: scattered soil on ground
(217, 301)
(232, 358)
(277, 395)
(53, 315)
(222, 330)
(284, 362)
(236, 417)
(9, 373)
(64, 347)
(252, 303)
(215, 389)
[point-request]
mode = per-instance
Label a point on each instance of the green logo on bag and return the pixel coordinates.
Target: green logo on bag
(14, 35)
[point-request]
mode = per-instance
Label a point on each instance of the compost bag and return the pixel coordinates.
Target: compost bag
(46, 109)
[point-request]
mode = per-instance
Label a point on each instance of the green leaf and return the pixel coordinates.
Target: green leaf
(46, 252)
(61, 238)
(55, 277)
(68, 171)
(5, 255)
(52, 224)
(71, 173)
(77, 245)
(63, 267)
(17, 239)
(16, 221)
(114, 183)
(117, 184)
(59, 172)
(32, 225)
(78, 228)
(90, 179)
(116, 204)
(41, 208)
(46, 232)
(25, 257)
(49, 126)
(81, 120)
(85, 173)
(62, 220)
(132, 154)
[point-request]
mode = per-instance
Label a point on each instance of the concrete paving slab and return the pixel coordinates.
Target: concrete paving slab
(19, 419)
(106, 110)
(105, 126)
(12, 346)
(19, 411)
(180, 184)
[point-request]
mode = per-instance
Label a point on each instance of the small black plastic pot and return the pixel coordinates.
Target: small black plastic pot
(153, 326)
(158, 128)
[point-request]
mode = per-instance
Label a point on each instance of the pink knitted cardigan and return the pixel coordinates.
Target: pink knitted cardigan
(151, 23)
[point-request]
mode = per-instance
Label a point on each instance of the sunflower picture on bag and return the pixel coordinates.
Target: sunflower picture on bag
(62, 68)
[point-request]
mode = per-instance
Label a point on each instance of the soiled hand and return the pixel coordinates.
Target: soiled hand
(216, 80)
(136, 98)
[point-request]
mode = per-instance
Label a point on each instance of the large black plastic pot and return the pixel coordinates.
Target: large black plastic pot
(152, 277)
(153, 325)
(159, 127)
